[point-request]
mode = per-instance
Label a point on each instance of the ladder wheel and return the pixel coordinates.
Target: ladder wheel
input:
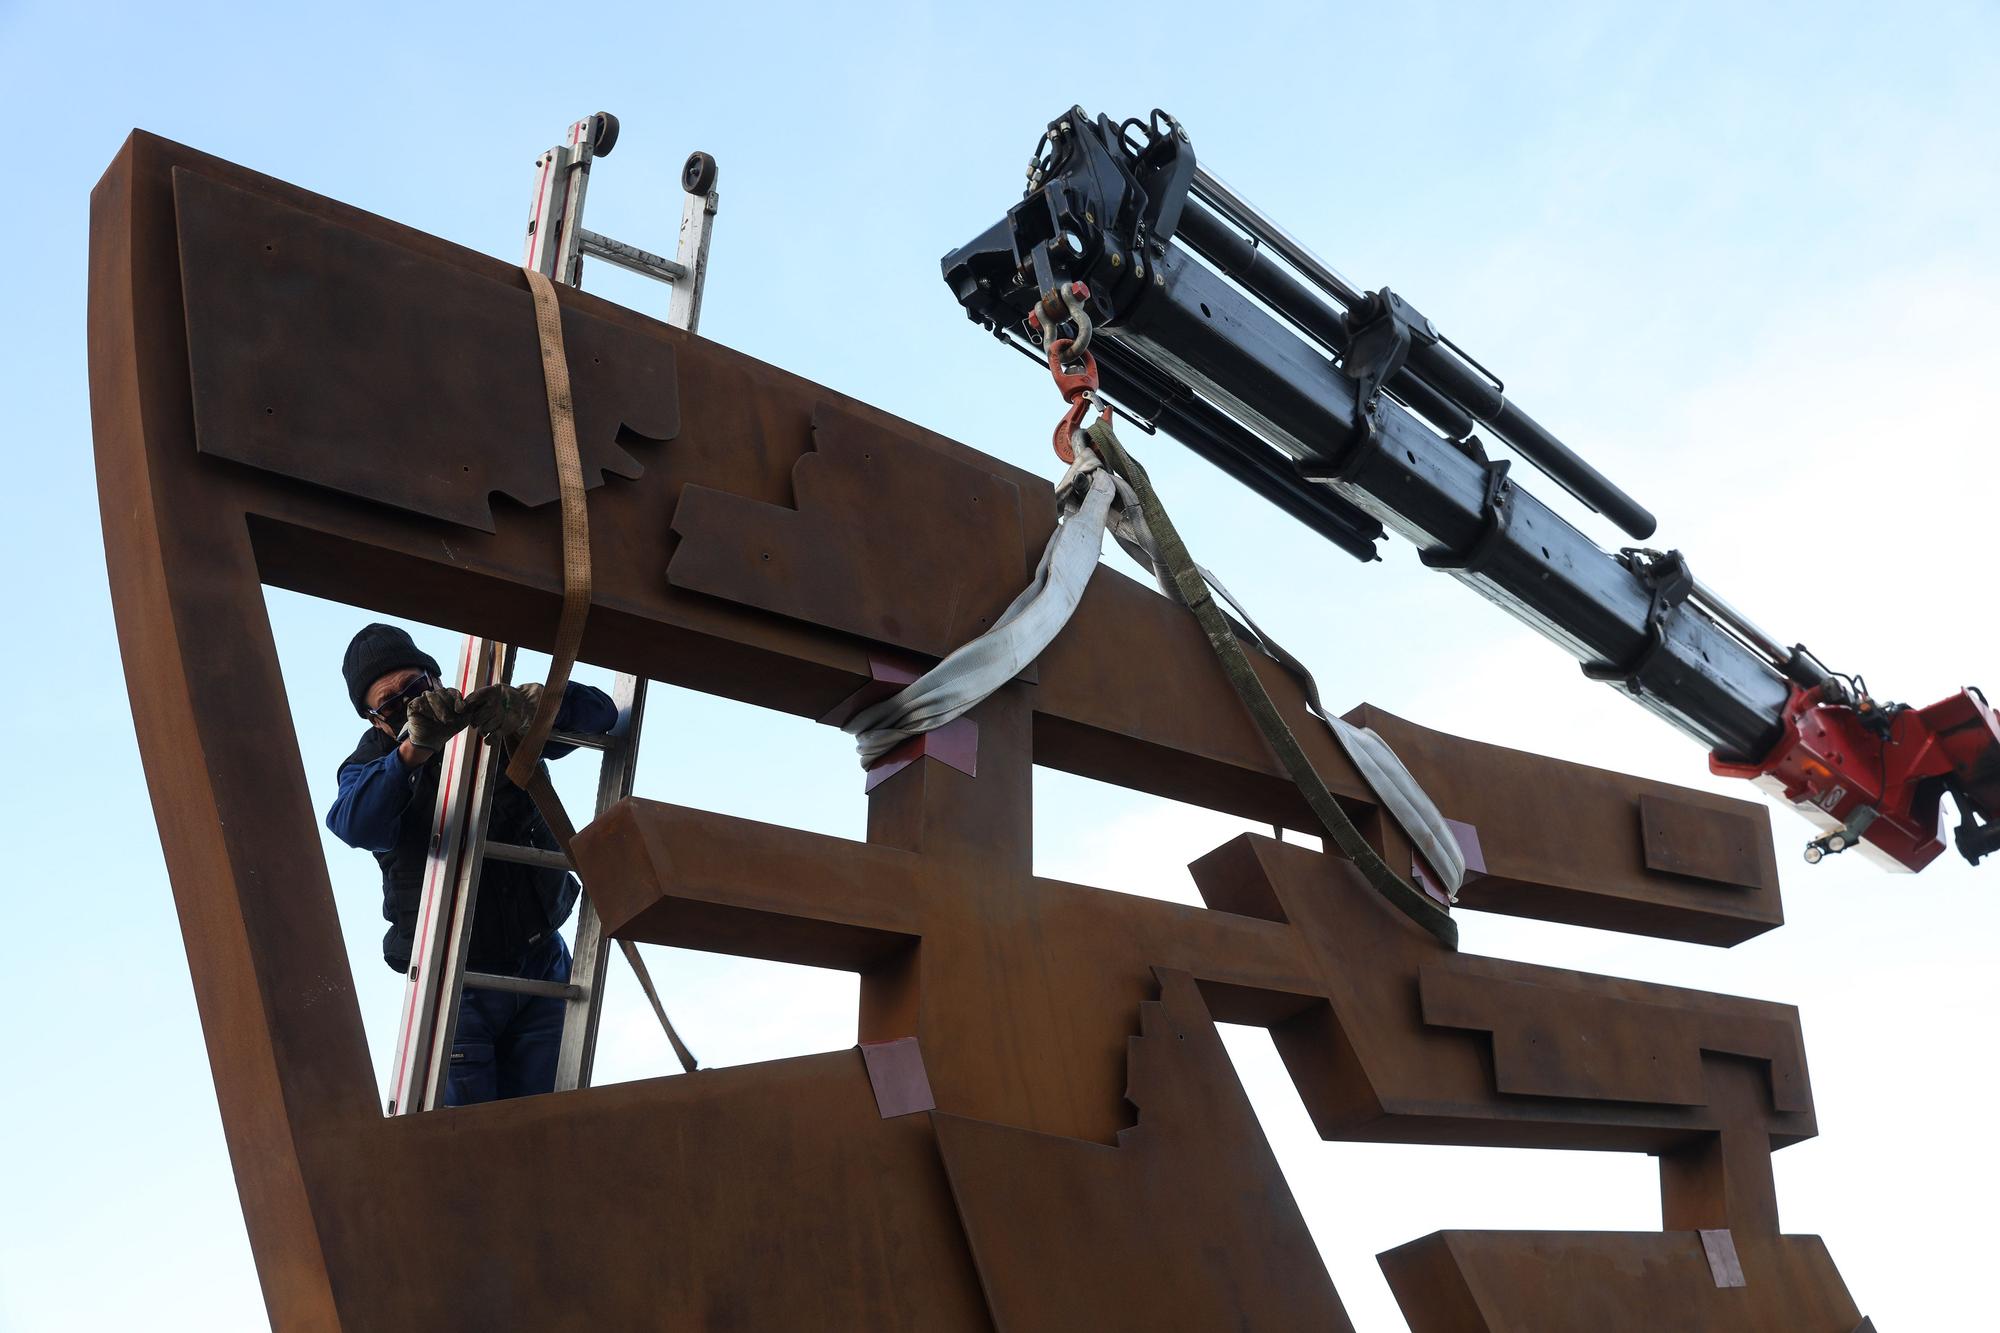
(603, 133)
(698, 176)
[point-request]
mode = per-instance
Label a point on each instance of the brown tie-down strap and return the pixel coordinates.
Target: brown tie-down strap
(524, 767)
(543, 793)
(575, 532)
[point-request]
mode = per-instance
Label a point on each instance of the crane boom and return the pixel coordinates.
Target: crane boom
(1351, 411)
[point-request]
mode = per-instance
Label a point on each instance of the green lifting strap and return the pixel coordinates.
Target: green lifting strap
(1180, 566)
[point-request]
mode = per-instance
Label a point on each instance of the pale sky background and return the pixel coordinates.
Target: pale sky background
(1741, 257)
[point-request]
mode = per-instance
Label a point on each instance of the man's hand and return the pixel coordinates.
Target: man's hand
(434, 718)
(502, 712)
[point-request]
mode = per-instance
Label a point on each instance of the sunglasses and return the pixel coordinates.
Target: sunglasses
(391, 709)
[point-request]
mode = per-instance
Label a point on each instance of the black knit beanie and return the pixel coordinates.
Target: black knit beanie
(376, 651)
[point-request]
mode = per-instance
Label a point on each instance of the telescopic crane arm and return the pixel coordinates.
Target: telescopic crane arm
(1352, 412)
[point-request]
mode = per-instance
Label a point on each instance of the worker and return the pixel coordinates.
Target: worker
(506, 1043)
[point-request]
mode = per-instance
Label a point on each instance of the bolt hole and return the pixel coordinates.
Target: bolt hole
(1545, 553)
(1204, 311)
(268, 249)
(767, 555)
(1407, 454)
(270, 411)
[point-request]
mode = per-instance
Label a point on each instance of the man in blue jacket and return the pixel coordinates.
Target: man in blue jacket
(506, 1043)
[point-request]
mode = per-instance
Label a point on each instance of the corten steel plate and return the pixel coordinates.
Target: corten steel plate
(1708, 871)
(1474, 1281)
(289, 391)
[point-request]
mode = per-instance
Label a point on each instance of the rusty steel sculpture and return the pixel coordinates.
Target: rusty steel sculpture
(1039, 1128)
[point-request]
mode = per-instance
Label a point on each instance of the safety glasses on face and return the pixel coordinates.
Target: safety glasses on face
(391, 709)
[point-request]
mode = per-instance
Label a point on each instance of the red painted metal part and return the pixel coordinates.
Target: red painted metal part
(1837, 764)
(1078, 385)
(955, 743)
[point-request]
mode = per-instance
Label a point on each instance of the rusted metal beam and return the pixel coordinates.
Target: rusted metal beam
(1639, 1282)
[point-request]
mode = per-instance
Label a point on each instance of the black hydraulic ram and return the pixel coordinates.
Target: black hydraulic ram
(1353, 413)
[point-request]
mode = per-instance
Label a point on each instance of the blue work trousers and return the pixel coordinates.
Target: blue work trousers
(506, 1043)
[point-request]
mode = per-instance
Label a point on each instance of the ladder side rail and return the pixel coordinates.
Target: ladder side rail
(450, 973)
(697, 221)
(590, 960)
(562, 174)
(545, 210)
(567, 258)
(479, 661)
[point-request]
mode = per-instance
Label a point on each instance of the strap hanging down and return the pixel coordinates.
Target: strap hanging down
(575, 530)
(1192, 589)
(524, 767)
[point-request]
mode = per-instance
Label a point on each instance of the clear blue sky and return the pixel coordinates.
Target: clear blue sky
(1744, 257)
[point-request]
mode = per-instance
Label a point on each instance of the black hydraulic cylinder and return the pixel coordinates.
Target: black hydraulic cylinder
(1442, 369)
(1248, 263)
(1446, 390)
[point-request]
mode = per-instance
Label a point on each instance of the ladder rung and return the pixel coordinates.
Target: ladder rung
(560, 990)
(527, 856)
(643, 262)
(601, 741)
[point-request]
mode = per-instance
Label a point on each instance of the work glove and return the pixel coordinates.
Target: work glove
(434, 718)
(502, 712)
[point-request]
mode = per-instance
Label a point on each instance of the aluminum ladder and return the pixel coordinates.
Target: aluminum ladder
(557, 243)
